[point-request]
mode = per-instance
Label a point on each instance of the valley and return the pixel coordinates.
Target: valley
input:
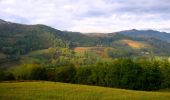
(84, 50)
(108, 60)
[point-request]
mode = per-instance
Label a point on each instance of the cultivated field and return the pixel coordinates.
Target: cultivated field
(62, 91)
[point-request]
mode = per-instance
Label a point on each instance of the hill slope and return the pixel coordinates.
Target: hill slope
(18, 39)
(147, 34)
(2, 21)
(62, 91)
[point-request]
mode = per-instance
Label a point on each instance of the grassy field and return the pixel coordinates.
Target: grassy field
(62, 91)
(134, 44)
(98, 50)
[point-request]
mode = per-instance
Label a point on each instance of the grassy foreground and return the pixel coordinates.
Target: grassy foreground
(63, 91)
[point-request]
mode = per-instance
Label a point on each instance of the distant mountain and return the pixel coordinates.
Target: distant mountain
(18, 39)
(146, 34)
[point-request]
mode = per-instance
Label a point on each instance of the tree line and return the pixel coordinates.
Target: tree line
(137, 74)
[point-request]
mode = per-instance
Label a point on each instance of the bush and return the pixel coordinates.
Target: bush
(30, 72)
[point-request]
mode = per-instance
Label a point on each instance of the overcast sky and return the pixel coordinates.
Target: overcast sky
(89, 15)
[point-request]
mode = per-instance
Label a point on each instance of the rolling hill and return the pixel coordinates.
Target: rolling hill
(146, 34)
(18, 39)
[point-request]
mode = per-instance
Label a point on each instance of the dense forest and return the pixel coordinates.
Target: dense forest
(121, 60)
(137, 74)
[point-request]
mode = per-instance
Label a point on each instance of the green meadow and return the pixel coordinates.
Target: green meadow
(62, 91)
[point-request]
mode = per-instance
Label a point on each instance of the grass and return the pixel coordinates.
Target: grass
(83, 49)
(63, 91)
(100, 51)
(134, 44)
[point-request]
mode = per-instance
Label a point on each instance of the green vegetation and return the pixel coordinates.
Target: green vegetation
(136, 74)
(61, 91)
(119, 60)
(18, 39)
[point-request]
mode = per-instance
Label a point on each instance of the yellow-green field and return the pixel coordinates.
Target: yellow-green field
(62, 91)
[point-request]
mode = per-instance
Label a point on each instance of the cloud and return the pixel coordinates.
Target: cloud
(88, 15)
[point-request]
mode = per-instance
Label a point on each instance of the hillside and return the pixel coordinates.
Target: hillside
(39, 52)
(2, 21)
(62, 91)
(146, 34)
(18, 39)
(134, 44)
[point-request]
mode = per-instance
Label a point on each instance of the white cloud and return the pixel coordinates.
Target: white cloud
(7, 1)
(88, 15)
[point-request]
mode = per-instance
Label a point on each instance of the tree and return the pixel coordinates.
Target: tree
(151, 76)
(82, 75)
(65, 74)
(165, 68)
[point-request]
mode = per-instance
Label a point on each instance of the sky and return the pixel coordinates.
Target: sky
(90, 15)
